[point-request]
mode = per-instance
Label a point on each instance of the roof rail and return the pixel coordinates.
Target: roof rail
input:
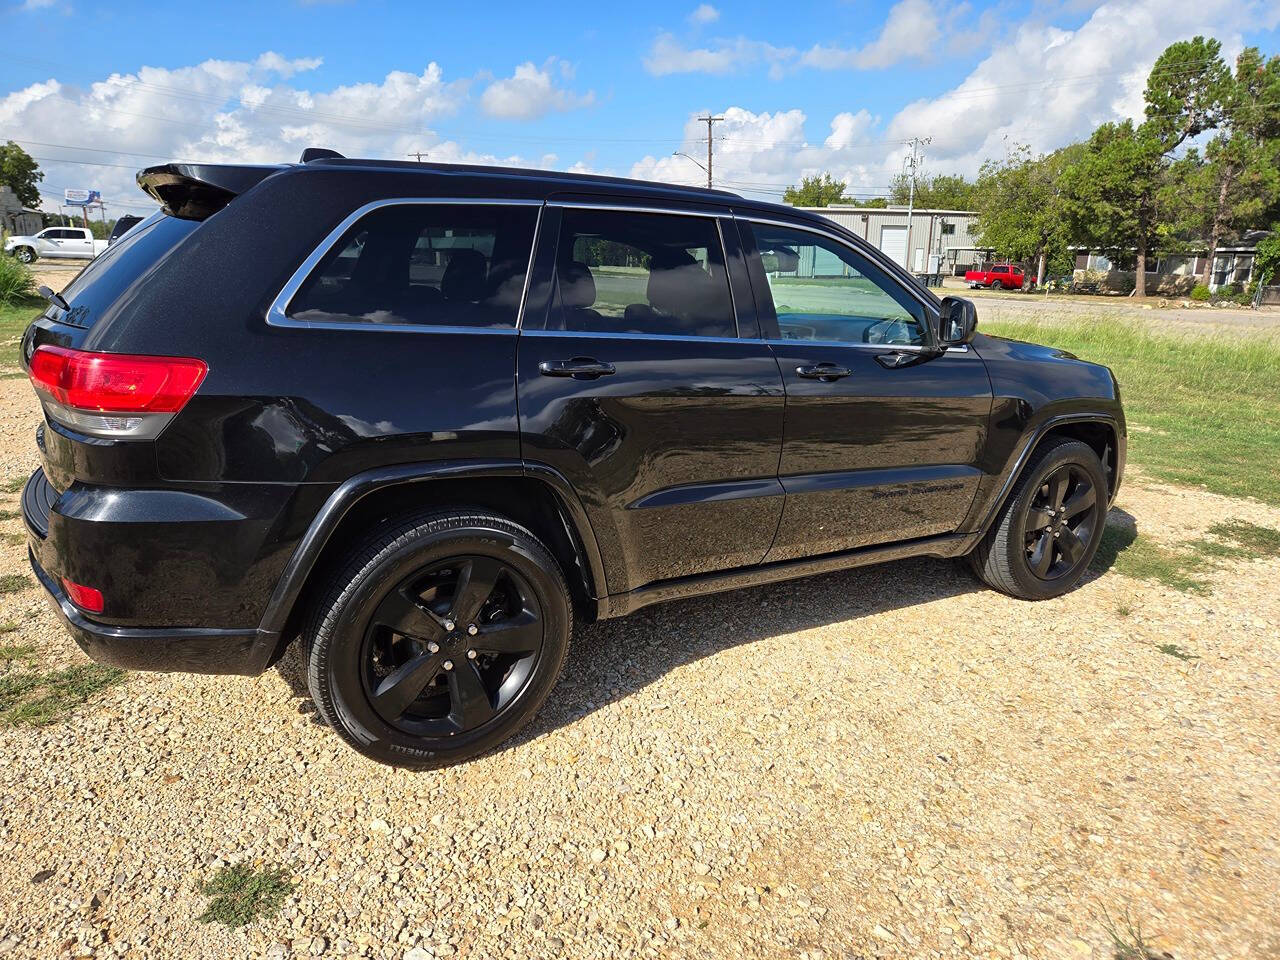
(320, 153)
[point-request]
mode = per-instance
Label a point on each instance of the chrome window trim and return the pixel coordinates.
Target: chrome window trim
(714, 217)
(615, 335)
(277, 315)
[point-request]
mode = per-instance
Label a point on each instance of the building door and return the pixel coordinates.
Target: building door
(893, 241)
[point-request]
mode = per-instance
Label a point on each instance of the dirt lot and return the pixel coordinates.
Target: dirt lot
(889, 762)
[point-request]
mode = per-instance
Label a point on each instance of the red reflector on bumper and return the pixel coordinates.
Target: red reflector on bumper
(86, 598)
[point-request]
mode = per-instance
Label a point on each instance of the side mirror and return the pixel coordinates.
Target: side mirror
(957, 322)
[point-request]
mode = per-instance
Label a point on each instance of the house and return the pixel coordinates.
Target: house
(929, 241)
(1177, 273)
(14, 218)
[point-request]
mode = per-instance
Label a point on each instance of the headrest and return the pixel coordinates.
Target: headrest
(464, 277)
(577, 285)
(681, 290)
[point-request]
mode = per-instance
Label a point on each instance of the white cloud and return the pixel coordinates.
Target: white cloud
(532, 92)
(1046, 86)
(913, 29)
(763, 153)
(702, 13)
(249, 111)
(30, 5)
(668, 55)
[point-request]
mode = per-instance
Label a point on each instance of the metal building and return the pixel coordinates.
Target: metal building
(935, 241)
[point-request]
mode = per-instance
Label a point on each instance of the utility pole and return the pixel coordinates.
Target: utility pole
(910, 166)
(709, 120)
(419, 154)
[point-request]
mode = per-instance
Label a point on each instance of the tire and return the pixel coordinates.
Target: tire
(1012, 556)
(411, 695)
(25, 255)
(996, 284)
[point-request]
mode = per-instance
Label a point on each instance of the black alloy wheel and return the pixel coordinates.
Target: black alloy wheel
(1059, 522)
(451, 646)
(1048, 529)
(440, 637)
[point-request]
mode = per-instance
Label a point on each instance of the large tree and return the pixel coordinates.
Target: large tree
(1239, 180)
(816, 191)
(940, 192)
(19, 171)
(1118, 193)
(1020, 206)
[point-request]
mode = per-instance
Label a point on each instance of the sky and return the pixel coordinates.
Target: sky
(97, 91)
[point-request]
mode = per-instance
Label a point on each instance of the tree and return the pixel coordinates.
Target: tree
(941, 192)
(1267, 259)
(19, 171)
(1118, 193)
(1020, 206)
(1239, 179)
(817, 191)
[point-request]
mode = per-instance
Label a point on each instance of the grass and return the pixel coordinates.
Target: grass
(1176, 650)
(241, 894)
(1128, 942)
(13, 582)
(22, 652)
(1202, 410)
(13, 484)
(39, 699)
(1184, 567)
(15, 316)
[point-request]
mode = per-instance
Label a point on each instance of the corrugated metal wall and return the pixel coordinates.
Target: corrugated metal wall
(949, 234)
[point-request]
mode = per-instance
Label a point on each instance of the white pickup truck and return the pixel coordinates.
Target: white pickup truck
(75, 242)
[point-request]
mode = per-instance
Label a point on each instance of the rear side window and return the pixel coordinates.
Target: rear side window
(109, 278)
(644, 273)
(436, 264)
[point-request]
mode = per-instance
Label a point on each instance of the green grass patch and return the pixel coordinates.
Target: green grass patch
(1183, 567)
(241, 894)
(39, 699)
(1202, 410)
(12, 539)
(13, 582)
(13, 484)
(1176, 650)
(9, 514)
(9, 626)
(19, 651)
(17, 315)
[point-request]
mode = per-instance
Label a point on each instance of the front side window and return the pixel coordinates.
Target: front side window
(823, 290)
(643, 273)
(424, 264)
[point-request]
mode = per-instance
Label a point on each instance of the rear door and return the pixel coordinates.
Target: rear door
(634, 383)
(880, 444)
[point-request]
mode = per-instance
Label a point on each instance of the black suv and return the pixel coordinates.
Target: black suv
(424, 415)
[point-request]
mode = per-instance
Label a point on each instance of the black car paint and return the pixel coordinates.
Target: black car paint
(673, 475)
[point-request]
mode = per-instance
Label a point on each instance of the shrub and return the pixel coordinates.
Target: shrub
(16, 281)
(1200, 293)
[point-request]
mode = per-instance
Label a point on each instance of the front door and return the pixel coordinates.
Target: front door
(880, 444)
(634, 384)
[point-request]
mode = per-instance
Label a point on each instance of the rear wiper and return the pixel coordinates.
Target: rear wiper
(55, 298)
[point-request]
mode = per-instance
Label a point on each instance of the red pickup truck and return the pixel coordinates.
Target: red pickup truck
(998, 276)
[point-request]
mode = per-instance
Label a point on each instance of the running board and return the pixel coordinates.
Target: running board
(620, 604)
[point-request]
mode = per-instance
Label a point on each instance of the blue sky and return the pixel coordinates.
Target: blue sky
(604, 87)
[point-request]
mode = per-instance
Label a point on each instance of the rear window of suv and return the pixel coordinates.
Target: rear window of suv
(130, 260)
(423, 264)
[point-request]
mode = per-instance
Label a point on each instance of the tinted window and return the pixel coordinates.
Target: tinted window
(823, 290)
(430, 264)
(649, 273)
(125, 264)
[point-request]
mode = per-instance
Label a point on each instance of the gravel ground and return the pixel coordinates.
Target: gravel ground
(888, 762)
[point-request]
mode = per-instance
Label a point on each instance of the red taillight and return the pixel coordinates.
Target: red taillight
(86, 598)
(115, 382)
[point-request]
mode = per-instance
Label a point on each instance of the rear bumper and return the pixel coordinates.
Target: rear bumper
(177, 649)
(89, 550)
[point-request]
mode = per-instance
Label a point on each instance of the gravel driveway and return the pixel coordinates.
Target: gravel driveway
(888, 762)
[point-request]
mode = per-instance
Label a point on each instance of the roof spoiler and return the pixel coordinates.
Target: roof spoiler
(195, 191)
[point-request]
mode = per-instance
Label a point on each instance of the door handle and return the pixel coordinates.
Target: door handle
(580, 368)
(826, 372)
